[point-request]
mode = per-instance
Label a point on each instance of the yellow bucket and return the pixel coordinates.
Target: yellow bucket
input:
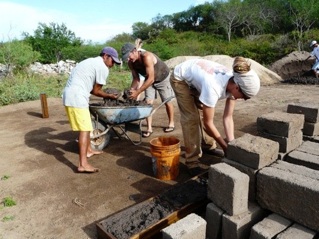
(165, 157)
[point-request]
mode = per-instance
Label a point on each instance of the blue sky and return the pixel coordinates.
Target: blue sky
(93, 20)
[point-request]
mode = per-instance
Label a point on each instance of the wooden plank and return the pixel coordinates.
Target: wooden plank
(155, 228)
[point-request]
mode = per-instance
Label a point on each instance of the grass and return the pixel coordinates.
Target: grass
(5, 177)
(24, 87)
(7, 218)
(8, 202)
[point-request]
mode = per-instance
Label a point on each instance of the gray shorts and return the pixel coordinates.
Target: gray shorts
(164, 89)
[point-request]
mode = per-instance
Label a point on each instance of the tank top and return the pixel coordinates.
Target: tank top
(161, 70)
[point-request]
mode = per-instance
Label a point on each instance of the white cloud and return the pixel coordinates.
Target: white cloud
(18, 18)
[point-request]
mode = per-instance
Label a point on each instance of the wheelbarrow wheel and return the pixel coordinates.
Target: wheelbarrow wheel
(101, 142)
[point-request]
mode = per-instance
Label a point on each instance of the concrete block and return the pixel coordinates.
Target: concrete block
(304, 159)
(286, 144)
(251, 174)
(253, 151)
(311, 129)
(214, 221)
(291, 191)
(311, 138)
(309, 109)
(239, 226)
(296, 231)
(190, 227)
(269, 227)
(227, 188)
(280, 123)
(309, 147)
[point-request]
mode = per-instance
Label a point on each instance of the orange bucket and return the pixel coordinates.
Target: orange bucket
(165, 157)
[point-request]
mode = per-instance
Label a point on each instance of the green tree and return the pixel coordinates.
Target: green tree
(17, 55)
(141, 30)
(303, 17)
(50, 39)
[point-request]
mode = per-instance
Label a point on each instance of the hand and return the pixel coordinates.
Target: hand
(133, 94)
(114, 96)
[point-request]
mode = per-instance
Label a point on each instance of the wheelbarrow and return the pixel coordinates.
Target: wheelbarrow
(106, 119)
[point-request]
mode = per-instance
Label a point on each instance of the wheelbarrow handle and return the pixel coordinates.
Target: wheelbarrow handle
(164, 102)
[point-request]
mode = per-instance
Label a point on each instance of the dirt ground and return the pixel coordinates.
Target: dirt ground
(39, 160)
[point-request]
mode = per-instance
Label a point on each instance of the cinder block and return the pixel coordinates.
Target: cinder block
(269, 227)
(228, 188)
(309, 147)
(291, 191)
(253, 151)
(311, 138)
(304, 159)
(307, 154)
(296, 231)
(239, 227)
(311, 129)
(251, 174)
(214, 221)
(280, 123)
(309, 109)
(286, 144)
(190, 227)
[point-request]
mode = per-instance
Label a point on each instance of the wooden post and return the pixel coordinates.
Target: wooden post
(44, 105)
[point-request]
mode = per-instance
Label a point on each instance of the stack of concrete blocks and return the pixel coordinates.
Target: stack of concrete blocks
(284, 128)
(233, 210)
(311, 113)
(290, 191)
(308, 153)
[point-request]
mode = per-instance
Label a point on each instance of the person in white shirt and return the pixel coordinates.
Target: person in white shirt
(211, 82)
(315, 53)
(88, 77)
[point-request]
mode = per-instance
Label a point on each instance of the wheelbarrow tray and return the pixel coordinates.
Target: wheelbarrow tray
(120, 114)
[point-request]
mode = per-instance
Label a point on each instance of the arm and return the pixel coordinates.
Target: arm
(211, 130)
(228, 120)
(97, 91)
(150, 75)
(136, 77)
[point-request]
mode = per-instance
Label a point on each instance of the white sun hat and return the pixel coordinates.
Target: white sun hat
(313, 43)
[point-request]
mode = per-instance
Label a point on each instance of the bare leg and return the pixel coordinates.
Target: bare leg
(170, 113)
(84, 141)
(149, 122)
(91, 152)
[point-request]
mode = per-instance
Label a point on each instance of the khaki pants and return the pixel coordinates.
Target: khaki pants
(190, 119)
(208, 142)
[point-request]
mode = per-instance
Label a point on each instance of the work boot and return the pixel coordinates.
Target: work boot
(213, 151)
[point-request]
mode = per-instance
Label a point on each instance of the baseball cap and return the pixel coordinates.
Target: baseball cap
(113, 53)
(249, 82)
(126, 49)
(313, 43)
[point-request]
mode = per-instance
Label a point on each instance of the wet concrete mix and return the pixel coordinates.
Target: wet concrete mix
(133, 220)
(123, 99)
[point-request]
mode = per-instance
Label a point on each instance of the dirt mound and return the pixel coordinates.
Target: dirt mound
(293, 65)
(267, 76)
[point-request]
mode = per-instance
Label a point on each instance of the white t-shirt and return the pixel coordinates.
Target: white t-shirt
(315, 53)
(81, 81)
(209, 78)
